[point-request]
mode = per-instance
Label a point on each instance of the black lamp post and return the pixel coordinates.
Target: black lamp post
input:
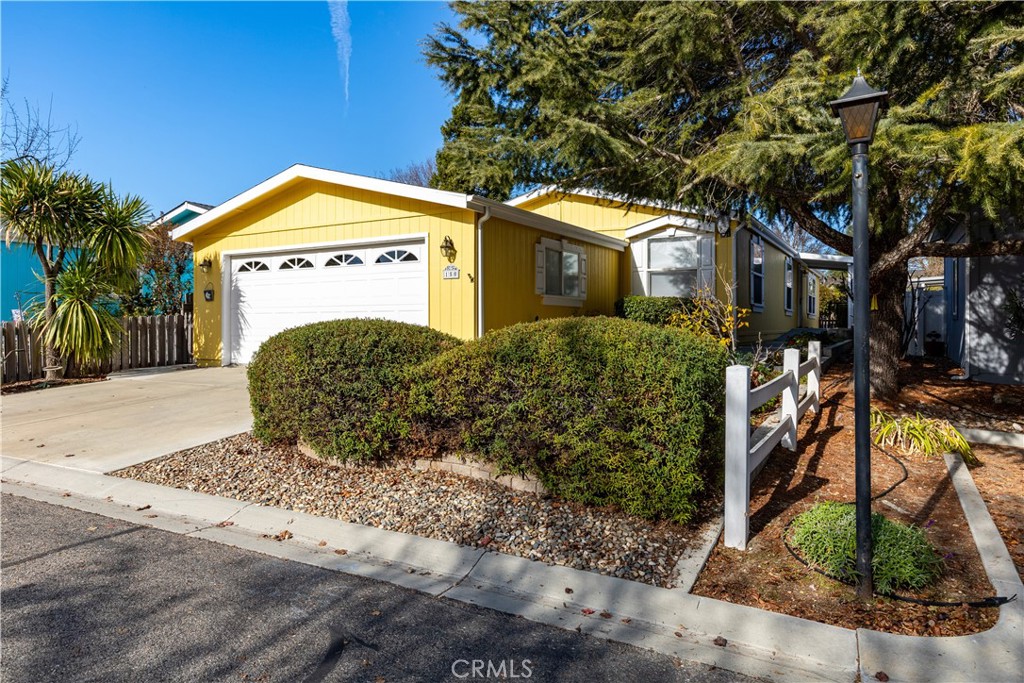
(858, 111)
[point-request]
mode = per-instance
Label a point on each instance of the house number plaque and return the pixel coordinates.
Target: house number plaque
(450, 273)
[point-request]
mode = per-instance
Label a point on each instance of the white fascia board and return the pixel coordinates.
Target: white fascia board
(761, 229)
(825, 261)
(300, 171)
(597, 194)
(179, 209)
(666, 221)
(532, 220)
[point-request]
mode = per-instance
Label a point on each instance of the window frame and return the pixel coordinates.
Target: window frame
(344, 260)
(297, 263)
(812, 296)
(788, 282)
(757, 306)
(253, 266)
(562, 247)
(678, 237)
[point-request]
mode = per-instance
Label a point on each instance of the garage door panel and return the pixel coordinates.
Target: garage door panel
(267, 301)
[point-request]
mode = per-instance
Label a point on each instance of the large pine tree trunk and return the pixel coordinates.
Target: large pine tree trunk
(887, 331)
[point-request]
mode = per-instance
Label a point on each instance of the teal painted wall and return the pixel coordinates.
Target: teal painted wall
(18, 265)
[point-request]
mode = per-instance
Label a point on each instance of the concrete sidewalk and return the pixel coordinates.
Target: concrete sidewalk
(673, 622)
(104, 426)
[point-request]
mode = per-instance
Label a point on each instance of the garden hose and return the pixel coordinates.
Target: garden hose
(993, 601)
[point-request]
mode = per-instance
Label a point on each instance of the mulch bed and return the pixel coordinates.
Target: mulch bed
(1000, 480)
(431, 504)
(822, 468)
(37, 384)
(930, 388)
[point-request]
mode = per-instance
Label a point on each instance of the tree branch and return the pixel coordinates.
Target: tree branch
(969, 250)
(664, 154)
(904, 249)
(818, 228)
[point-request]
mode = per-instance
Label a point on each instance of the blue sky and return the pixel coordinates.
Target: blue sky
(200, 101)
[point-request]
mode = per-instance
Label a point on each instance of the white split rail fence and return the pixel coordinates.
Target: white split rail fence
(744, 460)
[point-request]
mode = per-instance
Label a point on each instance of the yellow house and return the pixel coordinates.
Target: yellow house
(310, 244)
(675, 249)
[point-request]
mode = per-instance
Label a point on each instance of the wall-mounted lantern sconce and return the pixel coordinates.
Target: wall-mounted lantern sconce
(205, 265)
(208, 293)
(448, 248)
(723, 223)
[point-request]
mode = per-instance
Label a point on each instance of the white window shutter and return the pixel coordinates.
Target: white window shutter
(583, 275)
(538, 281)
(707, 262)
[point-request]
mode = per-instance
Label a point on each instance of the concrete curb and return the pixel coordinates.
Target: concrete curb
(673, 622)
(991, 437)
(995, 655)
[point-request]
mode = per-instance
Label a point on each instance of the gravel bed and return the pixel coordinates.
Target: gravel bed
(432, 504)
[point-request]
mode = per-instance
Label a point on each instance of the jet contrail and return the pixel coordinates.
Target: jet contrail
(340, 29)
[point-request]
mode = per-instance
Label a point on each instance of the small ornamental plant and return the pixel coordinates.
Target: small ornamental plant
(826, 538)
(707, 317)
(917, 435)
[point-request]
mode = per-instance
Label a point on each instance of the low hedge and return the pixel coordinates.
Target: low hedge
(602, 410)
(655, 310)
(335, 384)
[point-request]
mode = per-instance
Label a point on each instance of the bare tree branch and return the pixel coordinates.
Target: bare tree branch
(969, 250)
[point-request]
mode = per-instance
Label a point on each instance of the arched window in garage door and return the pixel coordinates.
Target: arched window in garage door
(296, 263)
(397, 256)
(343, 260)
(253, 266)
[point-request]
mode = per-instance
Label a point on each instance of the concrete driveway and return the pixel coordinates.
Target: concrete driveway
(104, 426)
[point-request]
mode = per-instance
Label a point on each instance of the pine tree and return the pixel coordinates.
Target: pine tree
(726, 103)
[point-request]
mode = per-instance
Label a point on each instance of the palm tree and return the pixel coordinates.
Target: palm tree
(88, 240)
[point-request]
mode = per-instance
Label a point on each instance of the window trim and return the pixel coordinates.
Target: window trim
(812, 296)
(668, 237)
(561, 246)
(788, 282)
(254, 266)
(756, 306)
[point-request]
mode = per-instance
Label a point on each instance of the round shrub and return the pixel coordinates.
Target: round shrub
(334, 384)
(601, 410)
(656, 310)
(826, 536)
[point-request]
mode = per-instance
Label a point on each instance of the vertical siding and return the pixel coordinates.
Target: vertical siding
(600, 215)
(773, 321)
(311, 212)
(509, 270)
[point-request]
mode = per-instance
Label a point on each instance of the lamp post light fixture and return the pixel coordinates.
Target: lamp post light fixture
(858, 110)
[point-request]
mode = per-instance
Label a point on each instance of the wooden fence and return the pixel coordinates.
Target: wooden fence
(743, 461)
(146, 342)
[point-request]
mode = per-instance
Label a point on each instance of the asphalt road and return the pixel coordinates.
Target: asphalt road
(89, 598)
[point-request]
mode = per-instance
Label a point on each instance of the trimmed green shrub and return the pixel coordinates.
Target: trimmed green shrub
(602, 410)
(335, 383)
(655, 310)
(826, 535)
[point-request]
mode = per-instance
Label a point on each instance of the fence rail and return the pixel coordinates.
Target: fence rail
(742, 460)
(146, 342)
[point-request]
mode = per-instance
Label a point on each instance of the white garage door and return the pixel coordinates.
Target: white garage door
(270, 293)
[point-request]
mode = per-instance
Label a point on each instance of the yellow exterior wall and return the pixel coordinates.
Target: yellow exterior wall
(773, 321)
(509, 277)
(312, 212)
(600, 215)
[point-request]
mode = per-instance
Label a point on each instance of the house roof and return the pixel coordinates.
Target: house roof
(299, 172)
(182, 213)
(598, 194)
(667, 221)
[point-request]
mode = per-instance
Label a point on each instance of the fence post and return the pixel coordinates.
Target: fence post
(737, 456)
(791, 395)
(814, 376)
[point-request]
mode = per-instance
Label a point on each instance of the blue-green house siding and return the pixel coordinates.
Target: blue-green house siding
(19, 284)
